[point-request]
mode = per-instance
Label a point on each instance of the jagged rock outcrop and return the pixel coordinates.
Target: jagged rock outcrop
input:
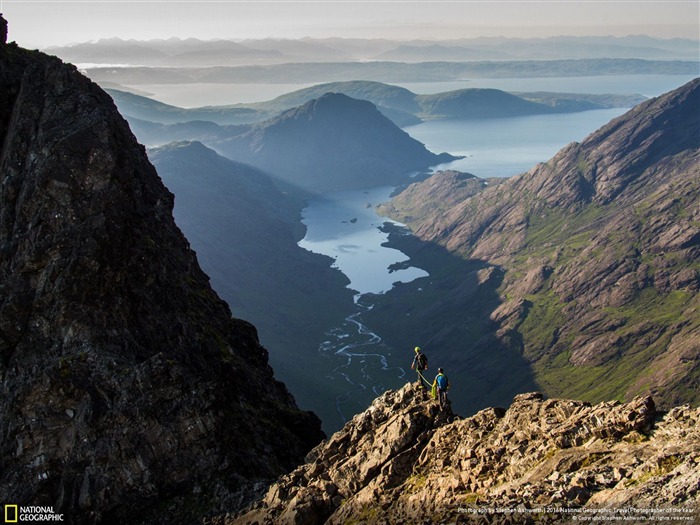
(597, 251)
(375, 451)
(539, 461)
(129, 394)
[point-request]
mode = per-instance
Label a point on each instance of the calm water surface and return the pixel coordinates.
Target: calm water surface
(344, 226)
(507, 146)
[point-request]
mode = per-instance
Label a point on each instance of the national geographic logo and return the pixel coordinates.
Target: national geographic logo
(11, 513)
(17, 514)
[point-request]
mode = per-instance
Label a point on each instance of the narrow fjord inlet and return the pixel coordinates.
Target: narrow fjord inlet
(345, 226)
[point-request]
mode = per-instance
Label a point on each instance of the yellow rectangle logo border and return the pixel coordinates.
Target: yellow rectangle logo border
(7, 517)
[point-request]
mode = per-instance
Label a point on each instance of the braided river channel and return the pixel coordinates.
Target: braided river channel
(345, 226)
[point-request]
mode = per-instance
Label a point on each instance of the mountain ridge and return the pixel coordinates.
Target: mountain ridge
(174, 50)
(400, 105)
(541, 460)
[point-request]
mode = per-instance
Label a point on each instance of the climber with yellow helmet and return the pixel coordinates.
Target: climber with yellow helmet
(420, 363)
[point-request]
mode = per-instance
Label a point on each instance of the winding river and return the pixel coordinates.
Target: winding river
(345, 226)
(364, 363)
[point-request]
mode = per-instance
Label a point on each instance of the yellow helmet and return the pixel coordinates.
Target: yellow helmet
(417, 349)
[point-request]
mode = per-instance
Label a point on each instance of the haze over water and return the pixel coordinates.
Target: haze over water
(214, 94)
(507, 146)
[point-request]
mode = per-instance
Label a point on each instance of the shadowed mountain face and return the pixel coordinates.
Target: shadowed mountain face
(331, 143)
(245, 232)
(128, 391)
(599, 248)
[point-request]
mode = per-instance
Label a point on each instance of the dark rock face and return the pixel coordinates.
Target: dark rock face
(3, 30)
(127, 388)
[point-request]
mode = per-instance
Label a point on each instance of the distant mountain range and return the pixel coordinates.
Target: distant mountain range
(383, 71)
(331, 143)
(400, 105)
(192, 52)
(319, 140)
(582, 274)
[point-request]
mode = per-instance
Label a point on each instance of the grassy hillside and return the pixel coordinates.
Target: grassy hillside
(597, 253)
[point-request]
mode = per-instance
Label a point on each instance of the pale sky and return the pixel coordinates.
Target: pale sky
(43, 23)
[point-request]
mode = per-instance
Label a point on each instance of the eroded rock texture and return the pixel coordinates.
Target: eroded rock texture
(539, 461)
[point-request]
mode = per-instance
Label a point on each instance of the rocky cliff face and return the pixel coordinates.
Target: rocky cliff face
(129, 394)
(597, 256)
(539, 461)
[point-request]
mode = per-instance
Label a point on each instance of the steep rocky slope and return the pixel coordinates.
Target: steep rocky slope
(594, 257)
(245, 232)
(129, 394)
(539, 461)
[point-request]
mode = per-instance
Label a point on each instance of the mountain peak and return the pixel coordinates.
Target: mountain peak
(332, 99)
(612, 164)
(337, 107)
(331, 143)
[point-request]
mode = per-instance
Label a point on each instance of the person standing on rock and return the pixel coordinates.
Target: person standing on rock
(440, 386)
(420, 363)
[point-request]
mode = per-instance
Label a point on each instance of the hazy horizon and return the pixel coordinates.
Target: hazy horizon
(46, 23)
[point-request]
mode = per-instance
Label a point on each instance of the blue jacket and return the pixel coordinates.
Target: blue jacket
(442, 382)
